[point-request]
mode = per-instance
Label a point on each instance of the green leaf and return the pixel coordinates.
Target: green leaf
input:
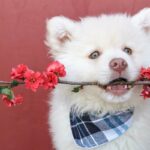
(14, 83)
(7, 91)
(76, 89)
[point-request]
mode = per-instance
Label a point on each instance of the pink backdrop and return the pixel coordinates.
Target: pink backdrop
(22, 32)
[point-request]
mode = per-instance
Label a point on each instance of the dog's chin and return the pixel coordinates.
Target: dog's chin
(111, 98)
(117, 93)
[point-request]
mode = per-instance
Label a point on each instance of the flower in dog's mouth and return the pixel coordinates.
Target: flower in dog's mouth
(118, 89)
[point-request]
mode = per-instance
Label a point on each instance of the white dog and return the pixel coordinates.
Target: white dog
(106, 48)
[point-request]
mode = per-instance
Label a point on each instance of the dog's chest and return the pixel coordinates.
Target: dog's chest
(136, 138)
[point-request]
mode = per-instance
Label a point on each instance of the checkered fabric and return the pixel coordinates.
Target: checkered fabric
(91, 131)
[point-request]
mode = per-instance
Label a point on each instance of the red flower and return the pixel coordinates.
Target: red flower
(145, 73)
(50, 80)
(56, 68)
(7, 101)
(18, 73)
(146, 91)
(17, 100)
(33, 80)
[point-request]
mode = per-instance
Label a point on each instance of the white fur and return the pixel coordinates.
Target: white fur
(71, 43)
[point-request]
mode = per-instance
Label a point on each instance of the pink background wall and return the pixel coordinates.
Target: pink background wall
(22, 32)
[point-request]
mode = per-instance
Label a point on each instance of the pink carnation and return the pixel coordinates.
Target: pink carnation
(145, 73)
(17, 100)
(33, 80)
(56, 68)
(50, 80)
(146, 91)
(18, 73)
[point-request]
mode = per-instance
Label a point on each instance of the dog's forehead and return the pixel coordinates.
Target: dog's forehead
(110, 22)
(105, 30)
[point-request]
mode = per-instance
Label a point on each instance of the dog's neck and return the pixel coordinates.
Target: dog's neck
(87, 100)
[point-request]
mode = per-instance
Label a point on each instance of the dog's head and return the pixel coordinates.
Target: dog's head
(106, 49)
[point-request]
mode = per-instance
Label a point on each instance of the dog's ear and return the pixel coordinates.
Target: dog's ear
(142, 19)
(59, 31)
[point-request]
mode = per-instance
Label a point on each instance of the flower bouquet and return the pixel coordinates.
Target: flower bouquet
(23, 75)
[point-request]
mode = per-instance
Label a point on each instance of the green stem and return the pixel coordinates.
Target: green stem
(132, 83)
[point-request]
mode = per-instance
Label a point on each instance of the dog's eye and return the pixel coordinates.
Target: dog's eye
(94, 55)
(128, 50)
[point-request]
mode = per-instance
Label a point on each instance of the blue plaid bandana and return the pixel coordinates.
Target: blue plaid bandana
(91, 130)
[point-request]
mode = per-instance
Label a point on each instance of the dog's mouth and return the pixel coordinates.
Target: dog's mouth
(118, 89)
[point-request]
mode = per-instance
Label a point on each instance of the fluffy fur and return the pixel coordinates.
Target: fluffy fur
(71, 43)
